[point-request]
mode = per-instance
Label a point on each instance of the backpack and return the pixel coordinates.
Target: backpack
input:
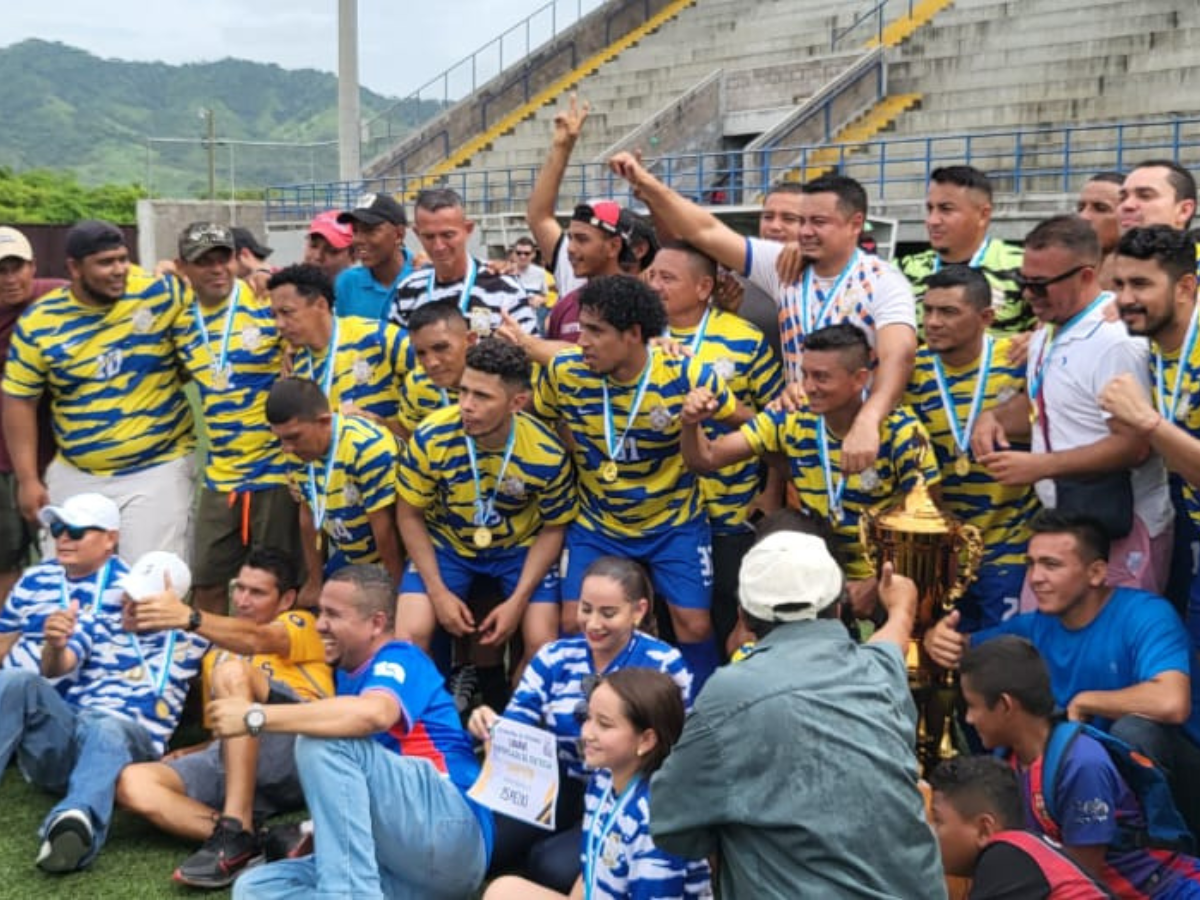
(1164, 828)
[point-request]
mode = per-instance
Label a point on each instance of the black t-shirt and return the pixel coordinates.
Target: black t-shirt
(1006, 872)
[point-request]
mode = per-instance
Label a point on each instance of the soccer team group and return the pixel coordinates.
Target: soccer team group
(439, 491)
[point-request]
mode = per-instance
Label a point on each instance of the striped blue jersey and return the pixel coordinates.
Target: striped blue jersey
(45, 588)
(741, 356)
(551, 688)
(537, 487)
(654, 490)
(116, 399)
(420, 398)
(119, 672)
(1001, 513)
(369, 367)
(243, 454)
(361, 481)
(902, 456)
(627, 864)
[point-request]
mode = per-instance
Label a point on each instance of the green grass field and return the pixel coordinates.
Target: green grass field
(136, 863)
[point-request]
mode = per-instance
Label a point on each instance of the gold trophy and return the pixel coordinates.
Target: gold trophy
(941, 554)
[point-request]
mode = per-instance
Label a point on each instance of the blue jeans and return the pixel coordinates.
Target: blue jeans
(64, 750)
(385, 826)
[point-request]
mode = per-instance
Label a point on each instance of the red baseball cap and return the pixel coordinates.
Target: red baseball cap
(327, 226)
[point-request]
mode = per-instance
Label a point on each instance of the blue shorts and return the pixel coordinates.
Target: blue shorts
(995, 595)
(679, 560)
(504, 565)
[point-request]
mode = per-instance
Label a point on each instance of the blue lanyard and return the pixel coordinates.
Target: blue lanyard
(159, 681)
(101, 582)
(835, 485)
(826, 300)
(464, 299)
(320, 506)
(976, 260)
(614, 447)
(1039, 372)
(698, 337)
(597, 836)
(326, 379)
(962, 434)
(485, 508)
(219, 364)
(1185, 354)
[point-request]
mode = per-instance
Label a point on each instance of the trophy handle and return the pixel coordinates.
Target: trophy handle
(865, 521)
(969, 549)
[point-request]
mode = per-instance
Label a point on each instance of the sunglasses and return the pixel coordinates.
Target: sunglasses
(74, 532)
(587, 685)
(1037, 287)
(523, 252)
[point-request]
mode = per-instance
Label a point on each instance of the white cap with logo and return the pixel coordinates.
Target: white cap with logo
(148, 576)
(83, 511)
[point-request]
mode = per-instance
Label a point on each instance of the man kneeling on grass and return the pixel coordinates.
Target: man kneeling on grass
(267, 652)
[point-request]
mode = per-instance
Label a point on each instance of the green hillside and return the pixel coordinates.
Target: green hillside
(66, 109)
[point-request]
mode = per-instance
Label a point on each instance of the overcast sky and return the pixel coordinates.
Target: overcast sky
(402, 44)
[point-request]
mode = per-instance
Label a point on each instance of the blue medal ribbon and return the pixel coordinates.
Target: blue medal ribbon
(321, 504)
(326, 377)
(835, 485)
(1185, 354)
(1039, 374)
(485, 508)
(597, 836)
(101, 582)
(976, 260)
(464, 299)
(826, 300)
(614, 447)
(962, 432)
(220, 363)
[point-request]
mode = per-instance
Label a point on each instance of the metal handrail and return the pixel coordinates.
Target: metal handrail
(1061, 157)
(875, 12)
(479, 63)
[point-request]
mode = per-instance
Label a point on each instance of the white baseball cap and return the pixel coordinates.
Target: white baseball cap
(148, 576)
(789, 576)
(83, 511)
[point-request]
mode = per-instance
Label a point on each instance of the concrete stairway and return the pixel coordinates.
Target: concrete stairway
(709, 35)
(995, 65)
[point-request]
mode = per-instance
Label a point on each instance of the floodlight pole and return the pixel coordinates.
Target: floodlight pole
(349, 134)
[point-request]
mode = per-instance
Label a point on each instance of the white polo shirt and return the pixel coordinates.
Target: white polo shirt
(1075, 370)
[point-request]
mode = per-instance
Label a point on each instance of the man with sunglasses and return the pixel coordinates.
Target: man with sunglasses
(85, 570)
(1075, 446)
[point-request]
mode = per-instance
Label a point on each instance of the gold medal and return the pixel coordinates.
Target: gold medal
(608, 472)
(319, 541)
(162, 710)
(220, 379)
(962, 466)
(134, 674)
(482, 538)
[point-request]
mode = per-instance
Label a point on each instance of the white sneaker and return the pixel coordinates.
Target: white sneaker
(68, 840)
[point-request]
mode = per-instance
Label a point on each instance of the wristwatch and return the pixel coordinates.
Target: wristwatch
(255, 719)
(195, 620)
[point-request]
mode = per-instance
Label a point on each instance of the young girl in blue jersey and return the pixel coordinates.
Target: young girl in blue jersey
(634, 718)
(615, 599)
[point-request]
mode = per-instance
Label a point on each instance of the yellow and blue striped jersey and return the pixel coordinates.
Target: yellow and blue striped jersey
(537, 488)
(116, 401)
(902, 440)
(654, 489)
(1001, 513)
(1187, 408)
(363, 480)
(372, 360)
(243, 454)
(739, 353)
(420, 398)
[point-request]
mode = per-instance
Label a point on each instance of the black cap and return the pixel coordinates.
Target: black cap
(93, 236)
(372, 209)
(244, 239)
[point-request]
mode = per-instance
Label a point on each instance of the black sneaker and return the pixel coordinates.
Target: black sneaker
(68, 840)
(291, 840)
(463, 685)
(222, 857)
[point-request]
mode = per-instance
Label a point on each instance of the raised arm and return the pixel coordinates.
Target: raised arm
(539, 211)
(683, 218)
